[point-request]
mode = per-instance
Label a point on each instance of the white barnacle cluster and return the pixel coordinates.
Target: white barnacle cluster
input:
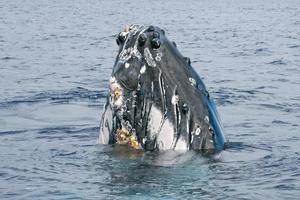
(130, 52)
(192, 81)
(116, 93)
(148, 57)
(125, 54)
(135, 52)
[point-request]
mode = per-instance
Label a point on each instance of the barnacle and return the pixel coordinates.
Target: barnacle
(123, 137)
(116, 93)
(133, 142)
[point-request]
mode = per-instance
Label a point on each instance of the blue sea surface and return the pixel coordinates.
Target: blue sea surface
(56, 58)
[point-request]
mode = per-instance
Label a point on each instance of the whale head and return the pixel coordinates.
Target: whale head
(156, 100)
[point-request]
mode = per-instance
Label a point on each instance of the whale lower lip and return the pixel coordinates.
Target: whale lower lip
(156, 98)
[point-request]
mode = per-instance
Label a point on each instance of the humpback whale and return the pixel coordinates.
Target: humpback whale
(156, 100)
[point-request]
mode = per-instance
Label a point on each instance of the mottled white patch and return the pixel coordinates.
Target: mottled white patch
(192, 81)
(118, 103)
(143, 69)
(181, 145)
(106, 125)
(135, 52)
(165, 137)
(175, 99)
(128, 53)
(115, 86)
(155, 119)
(127, 65)
(149, 58)
(125, 54)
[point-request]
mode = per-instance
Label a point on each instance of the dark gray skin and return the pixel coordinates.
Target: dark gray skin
(157, 96)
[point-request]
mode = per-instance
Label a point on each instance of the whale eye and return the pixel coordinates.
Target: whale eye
(155, 43)
(142, 39)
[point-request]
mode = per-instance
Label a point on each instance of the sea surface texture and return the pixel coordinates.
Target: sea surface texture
(56, 58)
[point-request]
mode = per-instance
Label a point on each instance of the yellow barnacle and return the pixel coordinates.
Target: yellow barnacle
(123, 137)
(116, 93)
(133, 142)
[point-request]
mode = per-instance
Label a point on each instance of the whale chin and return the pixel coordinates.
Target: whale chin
(156, 100)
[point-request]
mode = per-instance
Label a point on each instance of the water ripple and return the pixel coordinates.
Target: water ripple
(56, 60)
(58, 97)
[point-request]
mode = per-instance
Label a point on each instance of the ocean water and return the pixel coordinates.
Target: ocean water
(55, 61)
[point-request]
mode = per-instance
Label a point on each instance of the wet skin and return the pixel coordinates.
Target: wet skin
(156, 100)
